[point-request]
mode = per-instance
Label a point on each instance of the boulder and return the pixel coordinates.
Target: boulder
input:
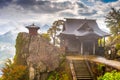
(36, 52)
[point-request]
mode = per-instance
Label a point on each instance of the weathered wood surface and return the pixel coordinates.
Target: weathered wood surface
(72, 70)
(81, 70)
(97, 59)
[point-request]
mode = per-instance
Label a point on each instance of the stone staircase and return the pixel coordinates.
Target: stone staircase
(82, 70)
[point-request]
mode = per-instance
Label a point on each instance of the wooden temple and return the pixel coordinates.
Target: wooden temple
(81, 36)
(33, 29)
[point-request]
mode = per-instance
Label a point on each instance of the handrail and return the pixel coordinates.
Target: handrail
(72, 70)
(97, 59)
(88, 66)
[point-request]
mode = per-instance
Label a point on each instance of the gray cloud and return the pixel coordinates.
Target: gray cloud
(65, 8)
(28, 3)
(4, 3)
(87, 12)
(67, 14)
(38, 5)
(44, 6)
(81, 5)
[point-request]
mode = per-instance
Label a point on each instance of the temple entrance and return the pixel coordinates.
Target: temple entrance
(88, 47)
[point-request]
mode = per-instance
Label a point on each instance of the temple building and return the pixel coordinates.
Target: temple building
(33, 29)
(81, 36)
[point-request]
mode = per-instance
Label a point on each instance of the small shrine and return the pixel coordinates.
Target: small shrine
(33, 29)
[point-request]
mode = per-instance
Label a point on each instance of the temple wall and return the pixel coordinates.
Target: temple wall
(73, 45)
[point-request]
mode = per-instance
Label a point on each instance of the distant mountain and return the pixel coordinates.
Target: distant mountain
(7, 47)
(8, 37)
(44, 28)
(7, 44)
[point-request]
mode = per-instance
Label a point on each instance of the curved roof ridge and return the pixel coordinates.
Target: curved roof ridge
(86, 22)
(79, 26)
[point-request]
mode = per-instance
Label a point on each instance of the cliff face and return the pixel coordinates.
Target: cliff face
(39, 55)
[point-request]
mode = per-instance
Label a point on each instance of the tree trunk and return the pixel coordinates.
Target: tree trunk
(54, 41)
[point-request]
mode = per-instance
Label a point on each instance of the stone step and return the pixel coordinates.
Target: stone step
(81, 70)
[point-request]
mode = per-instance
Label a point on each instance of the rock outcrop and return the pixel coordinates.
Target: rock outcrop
(38, 54)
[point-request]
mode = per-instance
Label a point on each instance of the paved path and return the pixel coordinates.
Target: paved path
(98, 59)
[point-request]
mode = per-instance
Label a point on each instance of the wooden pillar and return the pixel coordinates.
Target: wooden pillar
(81, 47)
(100, 42)
(94, 48)
(104, 41)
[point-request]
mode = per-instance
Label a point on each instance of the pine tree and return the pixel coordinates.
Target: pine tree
(113, 21)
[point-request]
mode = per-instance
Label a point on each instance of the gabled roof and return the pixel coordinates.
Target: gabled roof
(82, 27)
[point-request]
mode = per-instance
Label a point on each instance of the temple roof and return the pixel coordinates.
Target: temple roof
(33, 26)
(82, 27)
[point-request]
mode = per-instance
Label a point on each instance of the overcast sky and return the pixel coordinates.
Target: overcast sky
(16, 14)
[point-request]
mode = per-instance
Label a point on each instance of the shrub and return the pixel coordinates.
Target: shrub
(0, 78)
(58, 76)
(114, 75)
(117, 46)
(46, 37)
(118, 52)
(62, 73)
(14, 72)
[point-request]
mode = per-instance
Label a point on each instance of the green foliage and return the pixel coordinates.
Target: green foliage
(14, 72)
(117, 46)
(100, 66)
(55, 29)
(118, 52)
(116, 39)
(62, 73)
(21, 41)
(101, 42)
(58, 76)
(109, 39)
(1, 78)
(113, 21)
(54, 76)
(100, 69)
(118, 49)
(114, 75)
(99, 78)
(46, 36)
